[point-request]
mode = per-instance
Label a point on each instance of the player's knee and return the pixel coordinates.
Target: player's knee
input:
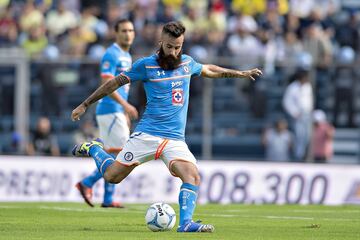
(193, 178)
(197, 179)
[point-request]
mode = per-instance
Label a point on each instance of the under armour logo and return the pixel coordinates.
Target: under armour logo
(162, 72)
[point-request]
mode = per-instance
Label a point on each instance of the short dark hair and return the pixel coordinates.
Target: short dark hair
(120, 21)
(174, 29)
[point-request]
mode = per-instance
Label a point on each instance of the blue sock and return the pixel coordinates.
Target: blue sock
(108, 192)
(90, 180)
(102, 159)
(187, 202)
(109, 189)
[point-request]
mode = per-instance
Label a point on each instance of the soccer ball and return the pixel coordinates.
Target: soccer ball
(160, 217)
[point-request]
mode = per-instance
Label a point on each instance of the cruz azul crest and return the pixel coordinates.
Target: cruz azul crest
(177, 96)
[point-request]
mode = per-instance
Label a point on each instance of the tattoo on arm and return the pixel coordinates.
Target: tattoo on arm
(215, 71)
(230, 74)
(106, 88)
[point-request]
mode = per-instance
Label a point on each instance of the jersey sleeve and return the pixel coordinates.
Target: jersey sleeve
(196, 67)
(108, 65)
(137, 71)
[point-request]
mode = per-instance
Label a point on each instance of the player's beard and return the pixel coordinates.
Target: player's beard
(168, 62)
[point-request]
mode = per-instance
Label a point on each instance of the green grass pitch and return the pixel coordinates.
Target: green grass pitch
(53, 221)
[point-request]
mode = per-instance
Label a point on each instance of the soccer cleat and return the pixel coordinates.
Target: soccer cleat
(192, 226)
(112, 205)
(82, 150)
(85, 192)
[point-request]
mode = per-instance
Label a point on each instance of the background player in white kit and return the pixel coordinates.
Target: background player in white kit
(111, 110)
(160, 133)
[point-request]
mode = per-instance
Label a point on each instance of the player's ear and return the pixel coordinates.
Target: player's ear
(160, 43)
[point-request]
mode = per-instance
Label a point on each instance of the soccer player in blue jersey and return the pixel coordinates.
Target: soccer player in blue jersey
(111, 110)
(160, 132)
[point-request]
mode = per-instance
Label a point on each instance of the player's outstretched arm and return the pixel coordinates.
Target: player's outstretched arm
(102, 91)
(214, 71)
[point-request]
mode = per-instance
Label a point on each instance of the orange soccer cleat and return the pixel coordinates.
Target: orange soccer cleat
(85, 192)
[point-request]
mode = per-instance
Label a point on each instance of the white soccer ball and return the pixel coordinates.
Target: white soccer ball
(160, 217)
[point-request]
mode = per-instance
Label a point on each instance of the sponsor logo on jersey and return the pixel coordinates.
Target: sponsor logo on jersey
(128, 156)
(176, 84)
(177, 96)
(159, 73)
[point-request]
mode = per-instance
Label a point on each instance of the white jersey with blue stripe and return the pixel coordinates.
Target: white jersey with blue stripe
(114, 62)
(167, 93)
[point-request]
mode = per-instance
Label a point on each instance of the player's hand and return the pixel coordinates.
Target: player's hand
(253, 73)
(131, 111)
(78, 112)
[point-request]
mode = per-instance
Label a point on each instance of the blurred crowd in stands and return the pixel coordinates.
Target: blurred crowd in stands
(308, 37)
(258, 31)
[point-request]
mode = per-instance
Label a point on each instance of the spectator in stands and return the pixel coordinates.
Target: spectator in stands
(36, 42)
(289, 50)
(322, 138)
(168, 14)
(77, 42)
(347, 33)
(278, 141)
(8, 27)
(317, 43)
(195, 23)
(60, 20)
(242, 44)
(30, 17)
(298, 104)
(301, 8)
(328, 7)
(43, 142)
(268, 49)
(345, 84)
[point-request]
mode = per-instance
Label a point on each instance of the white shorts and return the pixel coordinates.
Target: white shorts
(113, 129)
(143, 147)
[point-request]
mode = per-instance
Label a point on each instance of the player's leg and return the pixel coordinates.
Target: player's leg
(111, 170)
(105, 123)
(139, 149)
(190, 177)
(85, 186)
(115, 132)
(182, 164)
(109, 190)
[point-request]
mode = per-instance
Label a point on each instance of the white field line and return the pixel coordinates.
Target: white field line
(203, 214)
(289, 217)
(88, 210)
(276, 217)
(326, 211)
(300, 211)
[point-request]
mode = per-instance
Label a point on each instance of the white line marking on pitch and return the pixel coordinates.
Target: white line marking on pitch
(326, 211)
(276, 217)
(86, 210)
(289, 217)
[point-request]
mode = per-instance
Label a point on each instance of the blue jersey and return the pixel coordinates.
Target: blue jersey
(167, 93)
(113, 63)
